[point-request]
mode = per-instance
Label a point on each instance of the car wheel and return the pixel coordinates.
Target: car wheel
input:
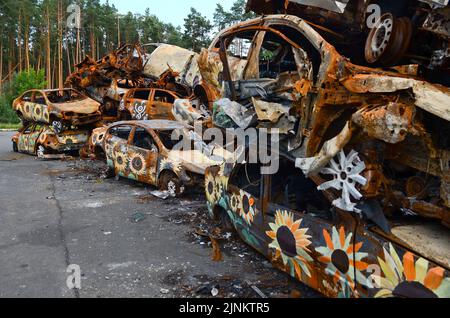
(57, 126)
(171, 183)
(41, 151)
(14, 146)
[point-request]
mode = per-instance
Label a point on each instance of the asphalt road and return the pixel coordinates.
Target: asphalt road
(126, 242)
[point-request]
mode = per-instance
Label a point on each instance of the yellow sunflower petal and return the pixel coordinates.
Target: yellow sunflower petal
(384, 293)
(421, 269)
(389, 273)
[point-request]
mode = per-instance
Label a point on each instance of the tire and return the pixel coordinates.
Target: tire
(168, 181)
(14, 146)
(225, 223)
(41, 151)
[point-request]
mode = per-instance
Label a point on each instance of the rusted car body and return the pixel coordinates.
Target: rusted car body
(41, 140)
(285, 218)
(58, 108)
(148, 103)
(373, 143)
(407, 32)
(146, 152)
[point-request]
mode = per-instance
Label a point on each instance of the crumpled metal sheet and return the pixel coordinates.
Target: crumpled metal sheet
(183, 111)
(432, 98)
(390, 123)
(240, 115)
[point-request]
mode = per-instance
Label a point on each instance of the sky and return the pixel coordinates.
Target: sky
(173, 11)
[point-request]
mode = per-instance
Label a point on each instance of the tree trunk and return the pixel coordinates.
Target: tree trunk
(48, 52)
(19, 40)
(27, 54)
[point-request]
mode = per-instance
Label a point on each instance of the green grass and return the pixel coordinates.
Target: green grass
(9, 126)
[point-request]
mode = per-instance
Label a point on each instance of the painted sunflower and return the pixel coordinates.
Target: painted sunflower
(137, 164)
(342, 262)
(410, 278)
(28, 110)
(37, 113)
(210, 187)
(45, 115)
(291, 242)
(121, 160)
(247, 207)
(235, 203)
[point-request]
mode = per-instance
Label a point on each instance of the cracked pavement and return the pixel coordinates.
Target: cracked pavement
(56, 213)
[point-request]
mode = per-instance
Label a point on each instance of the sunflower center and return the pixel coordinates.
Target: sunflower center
(137, 164)
(246, 204)
(413, 290)
(210, 187)
(340, 260)
(286, 240)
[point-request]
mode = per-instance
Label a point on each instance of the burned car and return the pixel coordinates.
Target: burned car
(370, 144)
(147, 103)
(379, 32)
(146, 151)
(57, 108)
(284, 217)
(42, 141)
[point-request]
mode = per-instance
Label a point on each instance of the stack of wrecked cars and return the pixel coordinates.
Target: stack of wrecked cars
(54, 121)
(360, 203)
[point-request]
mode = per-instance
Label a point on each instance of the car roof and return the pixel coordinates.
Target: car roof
(52, 90)
(161, 125)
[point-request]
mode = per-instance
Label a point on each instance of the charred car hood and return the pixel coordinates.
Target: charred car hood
(79, 107)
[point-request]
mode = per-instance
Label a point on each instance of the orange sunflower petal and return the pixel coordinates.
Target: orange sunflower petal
(357, 248)
(409, 268)
(324, 259)
(359, 265)
(434, 278)
(271, 234)
(328, 240)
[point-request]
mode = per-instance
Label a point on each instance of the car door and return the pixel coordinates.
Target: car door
(33, 138)
(308, 239)
(139, 103)
(23, 142)
(143, 155)
(25, 106)
(40, 112)
(245, 203)
(161, 104)
(116, 148)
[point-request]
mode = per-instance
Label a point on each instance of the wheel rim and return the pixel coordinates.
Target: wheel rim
(172, 188)
(379, 38)
(40, 151)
